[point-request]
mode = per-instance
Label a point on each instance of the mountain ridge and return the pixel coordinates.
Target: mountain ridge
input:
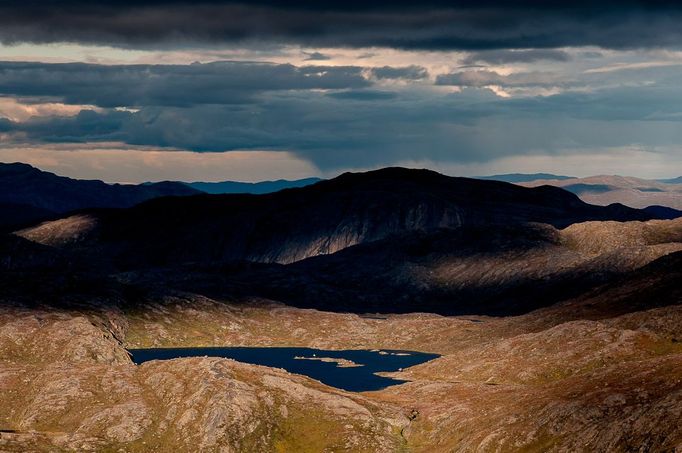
(523, 177)
(323, 218)
(630, 191)
(29, 195)
(261, 187)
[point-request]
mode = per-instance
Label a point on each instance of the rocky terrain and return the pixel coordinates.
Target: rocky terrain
(559, 330)
(68, 384)
(559, 378)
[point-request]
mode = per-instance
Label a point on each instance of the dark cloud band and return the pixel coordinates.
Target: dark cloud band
(169, 85)
(430, 24)
(506, 56)
(365, 128)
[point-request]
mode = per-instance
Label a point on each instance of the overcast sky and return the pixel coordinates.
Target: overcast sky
(150, 90)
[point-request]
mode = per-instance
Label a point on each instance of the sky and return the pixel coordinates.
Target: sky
(132, 91)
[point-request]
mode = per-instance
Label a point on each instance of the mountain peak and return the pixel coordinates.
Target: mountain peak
(14, 168)
(28, 194)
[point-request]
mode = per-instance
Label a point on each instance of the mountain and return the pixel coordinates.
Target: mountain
(326, 217)
(604, 190)
(591, 359)
(250, 187)
(523, 177)
(677, 180)
(28, 195)
(663, 212)
(483, 270)
(14, 215)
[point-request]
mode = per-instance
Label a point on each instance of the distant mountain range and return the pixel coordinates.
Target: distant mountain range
(28, 195)
(388, 240)
(529, 177)
(250, 187)
(677, 180)
(323, 218)
(604, 190)
(523, 177)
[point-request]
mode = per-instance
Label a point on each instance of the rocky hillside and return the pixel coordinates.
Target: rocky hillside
(68, 385)
(598, 372)
(324, 218)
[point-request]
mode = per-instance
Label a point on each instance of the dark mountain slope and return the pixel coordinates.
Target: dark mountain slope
(493, 270)
(326, 217)
(28, 194)
(652, 286)
(17, 215)
(663, 212)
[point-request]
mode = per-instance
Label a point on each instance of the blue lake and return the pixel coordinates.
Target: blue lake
(353, 370)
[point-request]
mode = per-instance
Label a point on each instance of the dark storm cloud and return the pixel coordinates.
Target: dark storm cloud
(427, 24)
(341, 131)
(177, 85)
(328, 131)
(85, 126)
(505, 56)
(412, 72)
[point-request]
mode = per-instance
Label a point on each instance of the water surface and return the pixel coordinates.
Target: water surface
(354, 371)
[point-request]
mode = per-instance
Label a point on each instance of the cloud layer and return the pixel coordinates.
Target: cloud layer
(344, 116)
(173, 85)
(407, 24)
(338, 85)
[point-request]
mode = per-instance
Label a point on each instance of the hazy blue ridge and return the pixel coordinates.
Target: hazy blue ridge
(677, 180)
(523, 177)
(250, 187)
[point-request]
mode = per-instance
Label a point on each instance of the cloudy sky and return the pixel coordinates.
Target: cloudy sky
(167, 89)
